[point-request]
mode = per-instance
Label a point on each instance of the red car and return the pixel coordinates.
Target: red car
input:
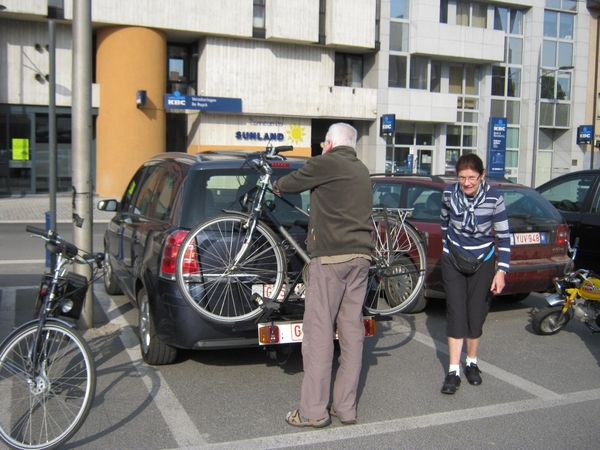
(539, 234)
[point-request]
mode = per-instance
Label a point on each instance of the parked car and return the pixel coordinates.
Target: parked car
(577, 197)
(539, 235)
(166, 197)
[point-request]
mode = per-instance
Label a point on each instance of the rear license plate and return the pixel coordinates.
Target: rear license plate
(266, 291)
(528, 238)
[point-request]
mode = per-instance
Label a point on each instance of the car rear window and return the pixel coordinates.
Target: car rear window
(528, 204)
(209, 192)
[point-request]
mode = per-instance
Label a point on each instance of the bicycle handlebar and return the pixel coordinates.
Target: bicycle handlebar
(55, 244)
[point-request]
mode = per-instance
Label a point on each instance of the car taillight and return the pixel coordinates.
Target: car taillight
(169, 256)
(562, 234)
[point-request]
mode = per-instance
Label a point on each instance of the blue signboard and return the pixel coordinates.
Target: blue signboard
(388, 124)
(585, 134)
(497, 146)
(203, 103)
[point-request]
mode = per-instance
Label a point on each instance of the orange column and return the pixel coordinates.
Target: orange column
(128, 59)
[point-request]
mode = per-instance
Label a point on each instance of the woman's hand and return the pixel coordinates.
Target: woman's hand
(498, 283)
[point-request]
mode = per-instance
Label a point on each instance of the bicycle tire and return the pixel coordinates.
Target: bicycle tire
(45, 411)
(397, 276)
(207, 279)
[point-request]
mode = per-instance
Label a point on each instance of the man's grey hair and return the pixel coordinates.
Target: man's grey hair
(341, 134)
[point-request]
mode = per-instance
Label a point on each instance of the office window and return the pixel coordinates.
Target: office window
(479, 15)
(418, 72)
(398, 36)
(435, 83)
(399, 9)
(463, 12)
(258, 19)
(397, 71)
(182, 69)
(348, 70)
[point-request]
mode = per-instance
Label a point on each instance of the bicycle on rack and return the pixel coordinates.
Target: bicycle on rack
(233, 268)
(47, 371)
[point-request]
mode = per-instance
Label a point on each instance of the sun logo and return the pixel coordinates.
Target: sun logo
(296, 133)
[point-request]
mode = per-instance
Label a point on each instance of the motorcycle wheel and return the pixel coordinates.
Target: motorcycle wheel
(547, 320)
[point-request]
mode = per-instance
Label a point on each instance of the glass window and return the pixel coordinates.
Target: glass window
(574, 190)
(562, 114)
(512, 159)
(443, 11)
(418, 72)
(456, 79)
(436, 76)
(398, 36)
(181, 75)
(471, 80)
(553, 4)
(497, 109)
(451, 158)
(399, 9)
(479, 15)
(565, 54)
(424, 134)
(547, 86)
(132, 190)
(516, 21)
(514, 82)
(566, 26)
(550, 23)
(563, 86)
(348, 70)
(512, 137)
(405, 133)
(498, 80)
(145, 197)
(258, 17)
(469, 136)
(549, 53)
(513, 112)
(165, 196)
(453, 135)
(500, 18)
(569, 5)
(397, 71)
(63, 129)
(515, 50)
(547, 114)
(463, 10)
(470, 117)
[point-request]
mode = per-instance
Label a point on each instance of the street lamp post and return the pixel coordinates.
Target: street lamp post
(536, 123)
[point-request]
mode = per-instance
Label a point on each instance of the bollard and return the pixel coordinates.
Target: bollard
(47, 214)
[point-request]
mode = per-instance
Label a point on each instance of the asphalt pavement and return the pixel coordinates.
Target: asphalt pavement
(539, 392)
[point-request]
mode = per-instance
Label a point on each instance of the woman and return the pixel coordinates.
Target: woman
(473, 215)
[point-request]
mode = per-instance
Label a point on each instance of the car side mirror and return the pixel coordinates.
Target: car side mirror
(108, 205)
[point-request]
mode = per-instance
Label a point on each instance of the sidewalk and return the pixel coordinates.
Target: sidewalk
(32, 208)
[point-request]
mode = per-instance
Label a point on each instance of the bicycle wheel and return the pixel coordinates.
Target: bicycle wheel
(44, 402)
(217, 288)
(397, 275)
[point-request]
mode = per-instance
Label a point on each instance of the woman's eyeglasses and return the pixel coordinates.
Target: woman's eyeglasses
(469, 179)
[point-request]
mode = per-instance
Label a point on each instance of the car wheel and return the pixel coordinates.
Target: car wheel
(154, 351)
(420, 303)
(514, 298)
(110, 282)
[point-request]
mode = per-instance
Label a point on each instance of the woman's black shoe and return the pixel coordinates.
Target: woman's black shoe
(472, 372)
(451, 383)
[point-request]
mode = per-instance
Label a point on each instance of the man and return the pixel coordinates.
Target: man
(339, 242)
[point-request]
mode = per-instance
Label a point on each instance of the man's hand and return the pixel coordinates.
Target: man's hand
(277, 191)
(498, 283)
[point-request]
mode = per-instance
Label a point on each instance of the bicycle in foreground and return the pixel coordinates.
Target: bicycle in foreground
(235, 268)
(47, 372)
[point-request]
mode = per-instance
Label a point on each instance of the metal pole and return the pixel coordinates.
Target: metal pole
(82, 143)
(536, 123)
(52, 152)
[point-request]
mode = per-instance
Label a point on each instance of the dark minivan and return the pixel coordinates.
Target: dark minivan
(168, 196)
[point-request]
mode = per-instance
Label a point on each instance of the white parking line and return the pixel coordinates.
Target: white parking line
(181, 426)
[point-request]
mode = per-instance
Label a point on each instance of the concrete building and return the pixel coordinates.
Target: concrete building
(511, 80)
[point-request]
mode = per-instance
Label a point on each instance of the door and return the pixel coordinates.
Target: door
(543, 169)
(424, 160)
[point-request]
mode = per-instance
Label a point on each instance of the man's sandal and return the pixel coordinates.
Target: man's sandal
(335, 414)
(296, 420)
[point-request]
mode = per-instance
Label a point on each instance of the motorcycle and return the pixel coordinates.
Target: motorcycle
(577, 295)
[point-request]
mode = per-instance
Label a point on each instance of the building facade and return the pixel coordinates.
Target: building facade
(511, 80)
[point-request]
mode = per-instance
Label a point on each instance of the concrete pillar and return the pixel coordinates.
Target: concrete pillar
(128, 59)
